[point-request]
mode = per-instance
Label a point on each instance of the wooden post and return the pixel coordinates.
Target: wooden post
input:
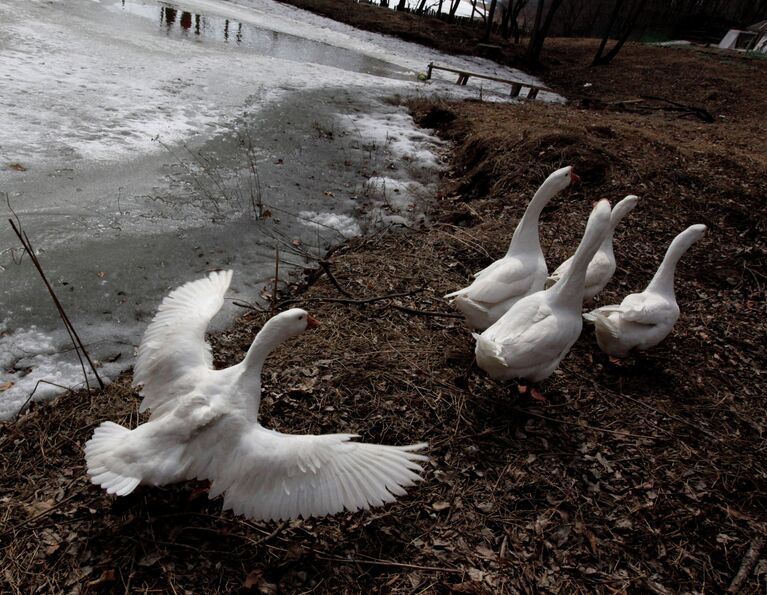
(428, 74)
(515, 89)
(533, 93)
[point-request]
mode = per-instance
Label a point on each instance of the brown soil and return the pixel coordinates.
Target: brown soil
(645, 477)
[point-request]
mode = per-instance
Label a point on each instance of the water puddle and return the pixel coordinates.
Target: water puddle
(181, 24)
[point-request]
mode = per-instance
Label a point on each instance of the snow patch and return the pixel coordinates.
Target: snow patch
(32, 362)
(398, 133)
(343, 224)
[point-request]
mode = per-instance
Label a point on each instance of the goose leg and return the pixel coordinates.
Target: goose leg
(201, 489)
(523, 388)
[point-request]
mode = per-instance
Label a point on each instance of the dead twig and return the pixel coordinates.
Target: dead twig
(698, 112)
(276, 277)
(75, 338)
(354, 301)
(326, 267)
(34, 390)
(38, 516)
(753, 553)
(426, 312)
(389, 563)
(580, 425)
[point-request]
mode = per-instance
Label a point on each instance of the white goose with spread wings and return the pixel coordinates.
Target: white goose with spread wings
(204, 424)
(602, 266)
(642, 320)
(520, 272)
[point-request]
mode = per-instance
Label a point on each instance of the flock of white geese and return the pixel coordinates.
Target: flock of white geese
(204, 422)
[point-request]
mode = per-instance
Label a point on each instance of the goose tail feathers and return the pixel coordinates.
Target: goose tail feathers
(602, 321)
(488, 349)
(98, 452)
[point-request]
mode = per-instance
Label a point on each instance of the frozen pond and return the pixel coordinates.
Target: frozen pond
(139, 141)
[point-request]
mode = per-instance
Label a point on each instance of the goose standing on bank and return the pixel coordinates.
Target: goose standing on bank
(642, 320)
(204, 425)
(521, 272)
(602, 266)
(530, 340)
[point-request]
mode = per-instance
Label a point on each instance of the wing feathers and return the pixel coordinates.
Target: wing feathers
(174, 343)
(104, 468)
(282, 476)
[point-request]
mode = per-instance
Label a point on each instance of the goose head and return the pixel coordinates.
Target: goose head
(290, 323)
(695, 232)
(681, 243)
(622, 209)
(560, 179)
(276, 331)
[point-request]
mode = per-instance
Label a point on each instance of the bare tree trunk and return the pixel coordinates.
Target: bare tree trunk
(453, 9)
(600, 60)
(510, 14)
(506, 15)
(536, 24)
(540, 31)
(489, 24)
(421, 6)
(518, 6)
(608, 28)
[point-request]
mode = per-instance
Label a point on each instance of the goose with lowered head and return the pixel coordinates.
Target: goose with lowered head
(602, 266)
(642, 320)
(530, 340)
(204, 424)
(521, 271)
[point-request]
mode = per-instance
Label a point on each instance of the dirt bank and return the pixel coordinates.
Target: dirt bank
(646, 477)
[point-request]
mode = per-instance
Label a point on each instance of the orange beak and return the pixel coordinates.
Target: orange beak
(311, 322)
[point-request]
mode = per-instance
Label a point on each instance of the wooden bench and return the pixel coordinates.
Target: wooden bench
(463, 78)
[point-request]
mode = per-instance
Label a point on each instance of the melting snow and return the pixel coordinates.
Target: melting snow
(86, 82)
(36, 366)
(344, 224)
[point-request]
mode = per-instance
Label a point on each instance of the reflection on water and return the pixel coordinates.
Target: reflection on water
(175, 22)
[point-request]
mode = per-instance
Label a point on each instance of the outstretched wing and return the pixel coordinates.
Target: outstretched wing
(174, 345)
(272, 476)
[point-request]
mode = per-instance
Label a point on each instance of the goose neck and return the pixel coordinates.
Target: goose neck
(569, 289)
(267, 339)
(249, 381)
(607, 243)
(663, 281)
(525, 238)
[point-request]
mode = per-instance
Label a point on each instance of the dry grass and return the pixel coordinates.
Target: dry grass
(646, 477)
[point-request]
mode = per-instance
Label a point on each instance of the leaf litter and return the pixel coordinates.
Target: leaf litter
(648, 476)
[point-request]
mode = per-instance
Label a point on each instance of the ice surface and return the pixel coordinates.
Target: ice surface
(94, 92)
